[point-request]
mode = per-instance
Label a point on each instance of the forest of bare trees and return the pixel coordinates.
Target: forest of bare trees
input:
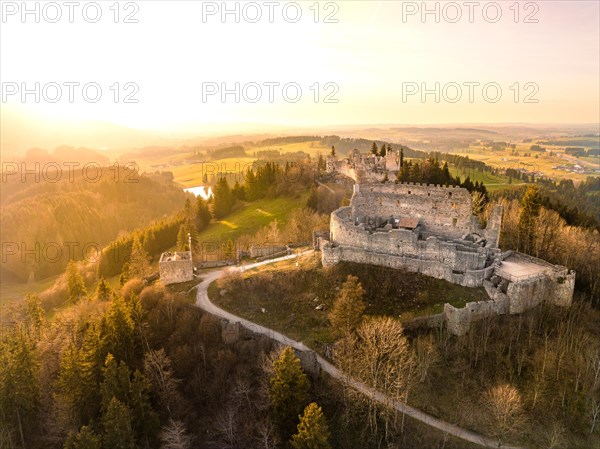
(550, 238)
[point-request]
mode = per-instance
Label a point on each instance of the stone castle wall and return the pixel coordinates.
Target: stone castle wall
(463, 263)
(365, 168)
(555, 288)
(332, 255)
(458, 321)
(445, 211)
(520, 296)
(562, 289)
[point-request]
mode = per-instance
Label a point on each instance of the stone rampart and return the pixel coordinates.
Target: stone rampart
(562, 289)
(332, 255)
(462, 262)
(555, 288)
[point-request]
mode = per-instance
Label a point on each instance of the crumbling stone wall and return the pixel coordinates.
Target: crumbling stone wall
(364, 168)
(555, 288)
(266, 250)
(319, 236)
(230, 331)
(332, 255)
(175, 267)
(527, 294)
(461, 262)
(494, 225)
(562, 288)
(442, 210)
(520, 296)
(458, 321)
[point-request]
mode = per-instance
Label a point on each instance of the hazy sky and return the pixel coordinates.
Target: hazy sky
(376, 52)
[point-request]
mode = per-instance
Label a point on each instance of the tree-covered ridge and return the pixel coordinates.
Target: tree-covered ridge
(343, 145)
(144, 370)
(222, 153)
(287, 140)
(577, 205)
(46, 224)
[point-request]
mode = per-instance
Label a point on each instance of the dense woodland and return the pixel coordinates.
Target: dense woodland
(265, 179)
(142, 368)
(577, 205)
(43, 220)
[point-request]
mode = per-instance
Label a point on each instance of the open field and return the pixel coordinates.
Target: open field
(543, 164)
(251, 217)
(192, 175)
(491, 181)
(189, 172)
(312, 148)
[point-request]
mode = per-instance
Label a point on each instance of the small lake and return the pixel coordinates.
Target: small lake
(203, 191)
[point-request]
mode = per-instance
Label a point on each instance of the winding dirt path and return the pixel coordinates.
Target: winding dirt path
(203, 302)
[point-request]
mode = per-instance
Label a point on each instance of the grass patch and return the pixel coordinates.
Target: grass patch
(284, 296)
(251, 217)
(14, 291)
(492, 182)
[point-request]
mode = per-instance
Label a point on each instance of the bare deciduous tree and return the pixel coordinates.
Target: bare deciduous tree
(225, 427)
(242, 389)
(380, 356)
(505, 408)
(594, 412)
(174, 436)
(158, 369)
(426, 356)
(267, 435)
(556, 437)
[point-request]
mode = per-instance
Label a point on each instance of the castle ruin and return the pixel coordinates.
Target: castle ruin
(175, 267)
(430, 229)
(364, 168)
